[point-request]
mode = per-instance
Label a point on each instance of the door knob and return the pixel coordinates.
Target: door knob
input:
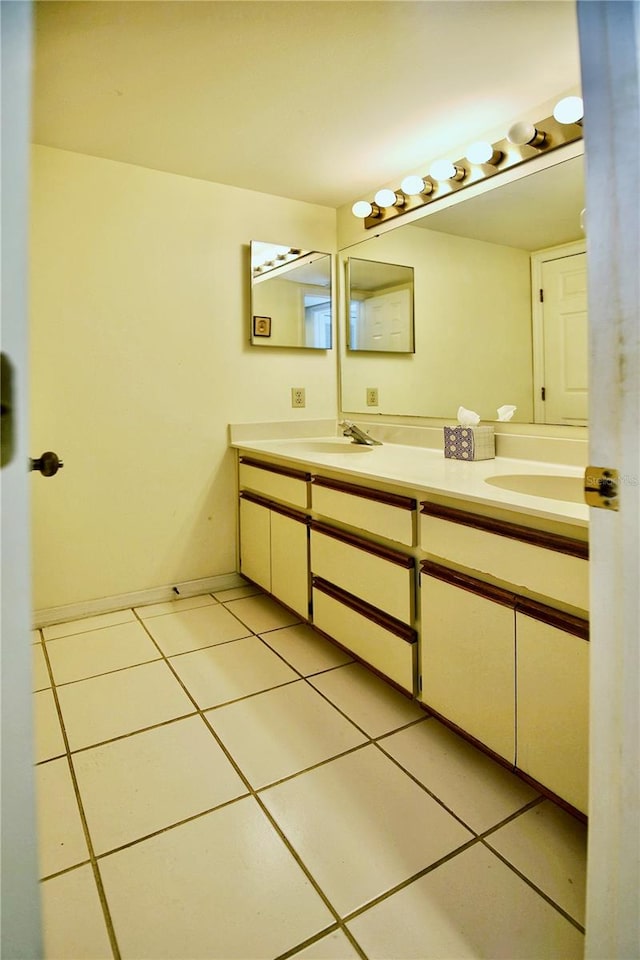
(48, 464)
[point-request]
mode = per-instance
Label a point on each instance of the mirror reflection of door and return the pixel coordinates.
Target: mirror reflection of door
(566, 335)
(380, 306)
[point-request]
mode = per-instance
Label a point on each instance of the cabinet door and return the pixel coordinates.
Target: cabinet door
(553, 708)
(468, 662)
(255, 543)
(290, 563)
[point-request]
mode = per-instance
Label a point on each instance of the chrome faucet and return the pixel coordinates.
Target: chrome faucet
(357, 435)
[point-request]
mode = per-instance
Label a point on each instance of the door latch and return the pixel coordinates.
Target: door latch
(601, 487)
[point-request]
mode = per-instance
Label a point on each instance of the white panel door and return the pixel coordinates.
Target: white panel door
(20, 937)
(566, 335)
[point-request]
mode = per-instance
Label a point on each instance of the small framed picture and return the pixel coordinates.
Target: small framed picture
(262, 326)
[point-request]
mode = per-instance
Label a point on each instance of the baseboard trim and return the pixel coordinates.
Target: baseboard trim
(140, 598)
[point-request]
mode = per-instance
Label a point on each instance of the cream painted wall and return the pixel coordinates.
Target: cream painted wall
(140, 358)
(472, 330)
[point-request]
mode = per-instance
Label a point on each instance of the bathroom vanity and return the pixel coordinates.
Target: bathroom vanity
(467, 593)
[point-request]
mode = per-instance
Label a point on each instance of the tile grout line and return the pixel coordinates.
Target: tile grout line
(262, 806)
(254, 792)
(545, 896)
(85, 826)
(370, 740)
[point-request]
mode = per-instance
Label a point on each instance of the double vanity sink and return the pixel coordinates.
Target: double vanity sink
(531, 487)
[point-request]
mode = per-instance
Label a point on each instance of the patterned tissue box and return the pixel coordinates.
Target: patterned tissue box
(469, 443)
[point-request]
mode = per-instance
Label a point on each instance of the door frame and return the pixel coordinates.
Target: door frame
(609, 35)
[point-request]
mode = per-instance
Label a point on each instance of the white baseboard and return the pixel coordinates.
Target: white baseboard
(89, 608)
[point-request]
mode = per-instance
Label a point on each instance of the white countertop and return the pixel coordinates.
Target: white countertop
(425, 470)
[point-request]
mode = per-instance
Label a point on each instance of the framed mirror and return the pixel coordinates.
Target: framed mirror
(380, 306)
(291, 297)
(479, 336)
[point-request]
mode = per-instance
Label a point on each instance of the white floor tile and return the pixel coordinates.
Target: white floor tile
(549, 847)
(231, 670)
(174, 606)
(40, 674)
(475, 787)
(261, 613)
(362, 826)
(48, 735)
(221, 886)
(334, 946)
(143, 783)
(61, 841)
(119, 703)
(367, 700)
(280, 732)
(87, 623)
(73, 924)
(100, 651)
(305, 649)
(193, 629)
(471, 906)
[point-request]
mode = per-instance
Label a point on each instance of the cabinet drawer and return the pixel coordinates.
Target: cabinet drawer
(553, 708)
(382, 514)
(387, 647)
(381, 577)
(532, 561)
(270, 480)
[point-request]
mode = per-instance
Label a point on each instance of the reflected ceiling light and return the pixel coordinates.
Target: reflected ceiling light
(413, 186)
(445, 170)
(388, 198)
(362, 208)
(522, 133)
(483, 152)
(569, 110)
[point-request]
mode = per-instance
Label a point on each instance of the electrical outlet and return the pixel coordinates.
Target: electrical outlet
(372, 396)
(297, 397)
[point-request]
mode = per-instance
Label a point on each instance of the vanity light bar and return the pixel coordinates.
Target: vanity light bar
(285, 256)
(524, 141)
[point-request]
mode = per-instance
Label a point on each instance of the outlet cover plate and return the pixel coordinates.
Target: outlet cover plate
(297, 397)
(372, 396)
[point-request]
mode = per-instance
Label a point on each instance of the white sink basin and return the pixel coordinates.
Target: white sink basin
(542, 485)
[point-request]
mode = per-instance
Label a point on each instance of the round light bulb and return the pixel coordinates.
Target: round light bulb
(385, 198)
(521, 133)
(413, 185)
(442, 170)
(362, 208)
(481, 152)
(569, 110)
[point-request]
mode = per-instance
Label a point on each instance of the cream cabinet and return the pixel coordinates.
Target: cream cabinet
(552, 685)
(274, 539)
(274, 551)
(468, 657)
(501, 657)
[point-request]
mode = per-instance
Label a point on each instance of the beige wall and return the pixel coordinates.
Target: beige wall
(140, 359)
(472, 330)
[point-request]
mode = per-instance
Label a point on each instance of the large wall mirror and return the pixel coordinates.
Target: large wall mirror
(475, 309)
(291, 298)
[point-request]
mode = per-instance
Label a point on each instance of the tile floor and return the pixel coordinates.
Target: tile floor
(217, 781)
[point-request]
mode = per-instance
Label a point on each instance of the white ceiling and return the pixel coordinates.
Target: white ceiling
(317, 100)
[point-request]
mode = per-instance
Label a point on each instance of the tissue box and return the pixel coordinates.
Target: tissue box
(469, 443)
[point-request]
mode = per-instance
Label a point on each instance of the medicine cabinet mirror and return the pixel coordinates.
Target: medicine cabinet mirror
(475, 309)
(291, 297)
(380, 306)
